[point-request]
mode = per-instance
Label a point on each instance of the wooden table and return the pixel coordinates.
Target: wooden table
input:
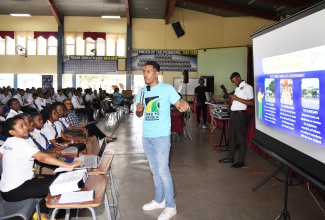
(94, 182)
(97, 180)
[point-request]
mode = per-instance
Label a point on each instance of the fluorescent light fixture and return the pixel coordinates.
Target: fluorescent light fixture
(20, 15)
(110, 16)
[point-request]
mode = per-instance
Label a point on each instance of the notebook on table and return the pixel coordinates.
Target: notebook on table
(92, 161)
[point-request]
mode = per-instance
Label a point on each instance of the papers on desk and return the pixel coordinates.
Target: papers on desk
(73, 197)
(62, 169)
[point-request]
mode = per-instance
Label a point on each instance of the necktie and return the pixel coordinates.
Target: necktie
(35, 104)
(46, 140)
(64, 127)
(36, 143)
(56, 132)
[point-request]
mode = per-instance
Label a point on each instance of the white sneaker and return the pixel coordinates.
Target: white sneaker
(204, 126)
(154, 205)
(168, 213)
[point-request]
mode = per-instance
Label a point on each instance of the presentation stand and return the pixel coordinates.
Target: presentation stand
(289, 167)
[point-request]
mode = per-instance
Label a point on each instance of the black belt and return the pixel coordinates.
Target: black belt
(238, 111)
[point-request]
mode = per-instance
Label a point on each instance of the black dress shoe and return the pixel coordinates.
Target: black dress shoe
(238, 165)
(113, 139)
(226, 160)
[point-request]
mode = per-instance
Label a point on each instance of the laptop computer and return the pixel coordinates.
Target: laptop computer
(93, 161)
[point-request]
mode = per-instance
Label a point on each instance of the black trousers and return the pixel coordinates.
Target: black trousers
(93, 130)
(88, 111)
(34, 188)
(202, 108)
(237, 130)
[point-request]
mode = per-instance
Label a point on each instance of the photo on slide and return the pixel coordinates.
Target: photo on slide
(269, 90)
(286, 91)
(310, 93)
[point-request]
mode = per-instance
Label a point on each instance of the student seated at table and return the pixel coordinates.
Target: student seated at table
(54, 132)
(14, 107)
(18, 158)
(72, 119)
(74, 131)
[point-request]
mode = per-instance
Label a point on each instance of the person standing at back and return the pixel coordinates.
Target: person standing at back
(153, 103)
(237, 127)
(199, 93)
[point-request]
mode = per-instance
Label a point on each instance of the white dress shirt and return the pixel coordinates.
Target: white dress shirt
(76, 103)
(4, 99)
(60, 98)
(13, 113)
(40, 102)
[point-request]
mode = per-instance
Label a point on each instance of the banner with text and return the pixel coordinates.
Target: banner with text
(90, 64)
(169, 60)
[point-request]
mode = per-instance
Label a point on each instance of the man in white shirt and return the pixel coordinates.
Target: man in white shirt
(23, 102)
(237, 127)
(60, 96)
(5, 97)
(79, 108)
(40, 101)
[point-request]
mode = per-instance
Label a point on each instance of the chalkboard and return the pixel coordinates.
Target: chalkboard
(191, 85)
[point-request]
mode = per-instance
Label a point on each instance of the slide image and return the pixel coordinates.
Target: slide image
(310, 93)
(286, 91)
(269, 90)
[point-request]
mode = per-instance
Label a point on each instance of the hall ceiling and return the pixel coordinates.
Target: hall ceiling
(156, 9)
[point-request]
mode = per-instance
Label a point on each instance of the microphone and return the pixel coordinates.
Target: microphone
(142, 96)
(148, 88)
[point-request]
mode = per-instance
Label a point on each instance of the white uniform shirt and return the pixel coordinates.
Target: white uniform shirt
(88, 98)
(4, 99)
(76, 103)
(66, 124)
(29, 98)
(40, 102)
(13, 113)
(243, 91)
(39, 138)
(20, 99)
(60, 98)
(17, 163)
(49, 131)
(49, 100)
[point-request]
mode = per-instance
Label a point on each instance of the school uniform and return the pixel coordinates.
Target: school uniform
(18, 181)
(52, 131)
(13, 113)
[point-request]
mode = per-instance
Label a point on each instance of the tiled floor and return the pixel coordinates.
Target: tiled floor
(204, 188)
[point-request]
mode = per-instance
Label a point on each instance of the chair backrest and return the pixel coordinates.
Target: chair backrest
(126, 93)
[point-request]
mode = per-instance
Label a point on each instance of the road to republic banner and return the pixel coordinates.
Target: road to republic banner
(169, 60)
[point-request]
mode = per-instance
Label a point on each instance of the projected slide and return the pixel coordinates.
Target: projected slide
(289, 94)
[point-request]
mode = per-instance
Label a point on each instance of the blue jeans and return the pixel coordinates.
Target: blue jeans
(157, 151)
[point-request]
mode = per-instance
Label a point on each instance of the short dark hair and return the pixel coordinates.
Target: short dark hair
(233, 75)
(10, 101)
(154, 64)
(34, 114)
(10, 123)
